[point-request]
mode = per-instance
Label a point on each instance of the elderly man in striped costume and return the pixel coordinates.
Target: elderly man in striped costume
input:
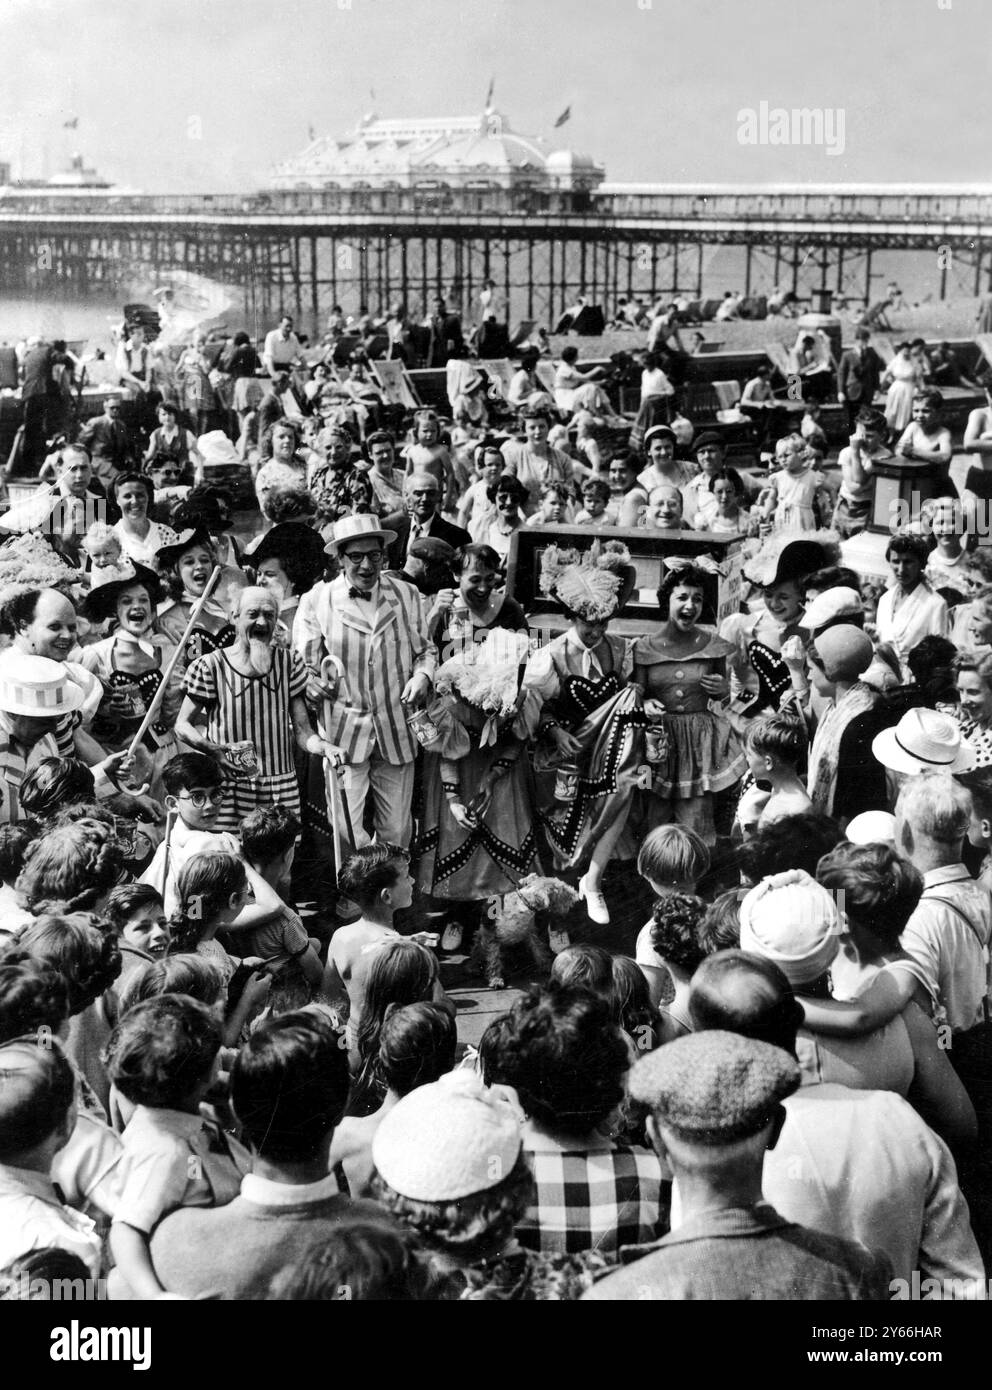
(375, 629)
(249, 697)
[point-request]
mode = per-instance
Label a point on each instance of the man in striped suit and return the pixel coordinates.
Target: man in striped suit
(375, 629)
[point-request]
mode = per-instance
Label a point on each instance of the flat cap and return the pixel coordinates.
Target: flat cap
(432, 548)
(707, 438)
(714, 1087)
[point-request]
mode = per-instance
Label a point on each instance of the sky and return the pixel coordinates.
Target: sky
(207, 95)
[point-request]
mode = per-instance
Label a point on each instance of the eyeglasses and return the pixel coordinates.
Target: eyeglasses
(358, 557)
(200, 799)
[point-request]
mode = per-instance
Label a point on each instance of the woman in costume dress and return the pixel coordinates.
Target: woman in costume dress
(478, 837)
(501, 838)
(589, 721)
(131, 663)
(760, 681)
(186, 566)
(682, 669)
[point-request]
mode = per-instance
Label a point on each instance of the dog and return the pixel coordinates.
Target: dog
(509, 921)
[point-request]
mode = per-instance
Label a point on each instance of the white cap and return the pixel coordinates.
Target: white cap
(872, 828)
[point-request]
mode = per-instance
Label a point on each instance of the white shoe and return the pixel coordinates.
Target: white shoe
(452, 938)
(595, 904)
(559, 940)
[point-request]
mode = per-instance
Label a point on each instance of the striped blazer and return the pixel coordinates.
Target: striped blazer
(378, 650)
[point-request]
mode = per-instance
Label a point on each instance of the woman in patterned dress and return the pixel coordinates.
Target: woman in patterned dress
(131, 663)
(683, 670)
(589, 721)
(974, 683)
(760, 681)
(251, 692)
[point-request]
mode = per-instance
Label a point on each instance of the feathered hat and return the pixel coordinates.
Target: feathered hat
(594, 584)
(487, 676)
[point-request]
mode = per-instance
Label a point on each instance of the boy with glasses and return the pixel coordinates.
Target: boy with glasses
(194, 788)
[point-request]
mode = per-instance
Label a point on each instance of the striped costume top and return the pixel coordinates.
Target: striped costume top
(380, 643)
(250, 707)
(15, 763)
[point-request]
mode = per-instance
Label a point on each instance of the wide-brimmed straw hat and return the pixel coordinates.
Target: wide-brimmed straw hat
(924, 741)
(363, 527)
(35, 687)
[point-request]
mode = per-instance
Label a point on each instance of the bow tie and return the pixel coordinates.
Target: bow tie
(359, 593)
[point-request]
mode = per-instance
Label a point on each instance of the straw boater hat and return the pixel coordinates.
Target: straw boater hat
(924, 741)
(358, 528)
(36, 687)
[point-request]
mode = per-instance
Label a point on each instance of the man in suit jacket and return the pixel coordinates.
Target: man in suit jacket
(375, 629)
(109, 442)
(422, 518)
(858, 376)
(446, 338)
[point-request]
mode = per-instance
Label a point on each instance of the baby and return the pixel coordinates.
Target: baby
(104, 552)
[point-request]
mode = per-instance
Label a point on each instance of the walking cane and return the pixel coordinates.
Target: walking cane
(336, 800)
(169, 822)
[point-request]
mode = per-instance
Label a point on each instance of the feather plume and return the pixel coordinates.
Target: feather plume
(486, 674)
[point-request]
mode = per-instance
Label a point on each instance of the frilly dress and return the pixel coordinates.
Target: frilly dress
(605, 715)
(704, 754)
(491, 859)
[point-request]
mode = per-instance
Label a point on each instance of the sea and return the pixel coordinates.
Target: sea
(90, 320)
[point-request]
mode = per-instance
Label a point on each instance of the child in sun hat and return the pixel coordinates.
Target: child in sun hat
(793, 921)
(450, 1164)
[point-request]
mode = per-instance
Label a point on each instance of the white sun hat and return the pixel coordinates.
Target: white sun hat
(924, 741)
(36, 687)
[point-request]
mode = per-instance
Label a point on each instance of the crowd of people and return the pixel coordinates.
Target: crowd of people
(265, 780)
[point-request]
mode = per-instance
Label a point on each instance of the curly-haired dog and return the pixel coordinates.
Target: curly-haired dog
(509, 921)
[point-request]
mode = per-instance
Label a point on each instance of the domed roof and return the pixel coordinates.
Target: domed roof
(565, 161)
